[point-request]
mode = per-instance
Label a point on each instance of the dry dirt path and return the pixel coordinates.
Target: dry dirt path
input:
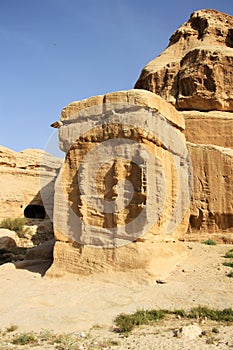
(76, 303)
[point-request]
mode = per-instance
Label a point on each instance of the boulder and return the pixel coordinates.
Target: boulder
(124, 184)
(7, 267)
(8, 239)
(190, 332)
(42, 252)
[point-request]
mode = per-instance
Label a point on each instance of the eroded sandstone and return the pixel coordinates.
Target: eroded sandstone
(124, 184)
(212, 201)
(195, 71)
(194, 74)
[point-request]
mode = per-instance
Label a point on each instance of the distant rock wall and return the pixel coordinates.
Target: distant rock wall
(24, 176)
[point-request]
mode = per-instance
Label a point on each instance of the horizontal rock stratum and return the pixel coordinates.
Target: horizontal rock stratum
(124, 185)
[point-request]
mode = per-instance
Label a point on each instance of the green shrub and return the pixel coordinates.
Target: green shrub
(228, 263)
(16, 225)
(126, 323)
(230, 274)
(229, 255)
(211, 314)
(215, 330)
(209, 242)
(180, 313)
(108, 343)
(66, 341)
(47, 335)
(12, 328)
(25, 338)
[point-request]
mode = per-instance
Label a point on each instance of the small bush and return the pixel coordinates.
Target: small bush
(212, 314)
(16, 225)
(215, 330)
(229, 255)
(210, 340)
(126, 323)
(47, 335)
(12, 328)
(180, 313)
(228, 263)
(106, 344)
(66, 341)
(25, 338)
(209, 242)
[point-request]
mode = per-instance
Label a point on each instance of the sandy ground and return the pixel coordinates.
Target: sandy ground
(78, 304)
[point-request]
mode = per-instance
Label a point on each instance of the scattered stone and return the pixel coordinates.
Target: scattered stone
(161, 281)
(190, 332)
(82, 335)
(7, 267)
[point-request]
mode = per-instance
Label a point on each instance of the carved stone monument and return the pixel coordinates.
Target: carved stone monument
(125, 184)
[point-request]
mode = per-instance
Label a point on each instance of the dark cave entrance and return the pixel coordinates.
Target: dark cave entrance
(33, 211)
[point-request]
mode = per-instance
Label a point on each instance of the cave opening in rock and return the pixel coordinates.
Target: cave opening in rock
(33, 211)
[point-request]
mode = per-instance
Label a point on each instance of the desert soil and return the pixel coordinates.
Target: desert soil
(87, 305)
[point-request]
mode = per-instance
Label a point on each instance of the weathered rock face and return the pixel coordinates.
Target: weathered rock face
(124, 184)
(213, 127)
(212, 202)
(195, 75)
(195, 71)
(24, 176)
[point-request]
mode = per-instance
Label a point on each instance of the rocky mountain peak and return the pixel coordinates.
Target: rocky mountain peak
(195, 71)
(206, 24)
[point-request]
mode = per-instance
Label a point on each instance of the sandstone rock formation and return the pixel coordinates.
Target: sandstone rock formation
(23, 177)
(194, 74)
(212, 127)
(124, 184)
(195, 71)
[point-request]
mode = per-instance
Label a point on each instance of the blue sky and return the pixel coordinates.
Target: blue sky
(56, 51)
